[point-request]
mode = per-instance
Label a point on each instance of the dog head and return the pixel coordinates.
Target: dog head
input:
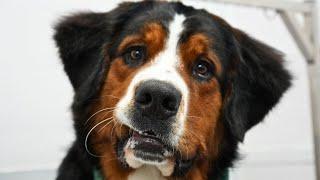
(167, 85)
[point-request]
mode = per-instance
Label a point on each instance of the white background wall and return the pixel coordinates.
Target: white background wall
(35, 121)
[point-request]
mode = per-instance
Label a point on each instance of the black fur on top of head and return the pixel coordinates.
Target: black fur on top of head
(253, 82)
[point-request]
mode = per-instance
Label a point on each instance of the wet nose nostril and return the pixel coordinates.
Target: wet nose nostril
(144, 98)
(170, 104)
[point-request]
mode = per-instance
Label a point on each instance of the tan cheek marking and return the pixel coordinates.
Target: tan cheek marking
(204, 112)
(205, 103)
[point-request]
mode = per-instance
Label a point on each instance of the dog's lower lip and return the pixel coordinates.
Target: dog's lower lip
(148, 148)
(147, 142)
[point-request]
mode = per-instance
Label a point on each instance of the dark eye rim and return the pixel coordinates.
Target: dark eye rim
(134, 62)
(210, 73)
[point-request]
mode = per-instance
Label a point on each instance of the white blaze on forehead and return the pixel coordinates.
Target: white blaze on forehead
(163, 67)
(168, 58)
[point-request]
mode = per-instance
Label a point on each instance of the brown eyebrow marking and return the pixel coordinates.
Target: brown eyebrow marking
(152, 35)
(131, 39)
(198, 45)
(155, 37)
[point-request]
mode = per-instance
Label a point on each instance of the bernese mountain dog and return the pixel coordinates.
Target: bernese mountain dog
(162, 91)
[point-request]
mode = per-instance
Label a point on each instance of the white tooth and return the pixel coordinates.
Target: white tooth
(167, 153)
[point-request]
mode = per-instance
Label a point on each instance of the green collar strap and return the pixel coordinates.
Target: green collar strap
(98, 176)
(225, 175)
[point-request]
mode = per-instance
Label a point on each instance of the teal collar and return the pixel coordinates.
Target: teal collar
(98, 176)
(225, 175)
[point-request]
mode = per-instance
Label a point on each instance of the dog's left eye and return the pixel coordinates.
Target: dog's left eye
(203, 70)
(135, 56)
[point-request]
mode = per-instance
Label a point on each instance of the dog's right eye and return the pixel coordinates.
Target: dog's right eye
(203, 70)
(134, 56)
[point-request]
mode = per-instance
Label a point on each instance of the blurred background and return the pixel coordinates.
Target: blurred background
(35, 117)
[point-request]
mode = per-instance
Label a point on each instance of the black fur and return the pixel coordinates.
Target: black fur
(76, 165)
(256, 87)
(253, 80)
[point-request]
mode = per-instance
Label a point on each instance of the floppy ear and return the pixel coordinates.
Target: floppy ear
(258, 82)
(79, 38)
(82, 39)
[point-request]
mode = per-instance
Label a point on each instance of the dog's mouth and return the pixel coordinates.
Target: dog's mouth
(147, 147)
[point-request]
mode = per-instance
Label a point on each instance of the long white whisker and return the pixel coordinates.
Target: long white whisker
(104, 109)
(106, 125)
(86, 140)
(113, 128)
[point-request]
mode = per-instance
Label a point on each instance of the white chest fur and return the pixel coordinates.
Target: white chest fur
(146, 172)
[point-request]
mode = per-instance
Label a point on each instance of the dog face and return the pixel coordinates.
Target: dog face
(169, 80)
(166, 85)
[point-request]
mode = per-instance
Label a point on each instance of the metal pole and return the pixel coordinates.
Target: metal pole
(301, 38)
(314, 80)
(314, 83)
(285, 5)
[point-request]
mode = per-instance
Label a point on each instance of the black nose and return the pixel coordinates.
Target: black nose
(157, 99)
